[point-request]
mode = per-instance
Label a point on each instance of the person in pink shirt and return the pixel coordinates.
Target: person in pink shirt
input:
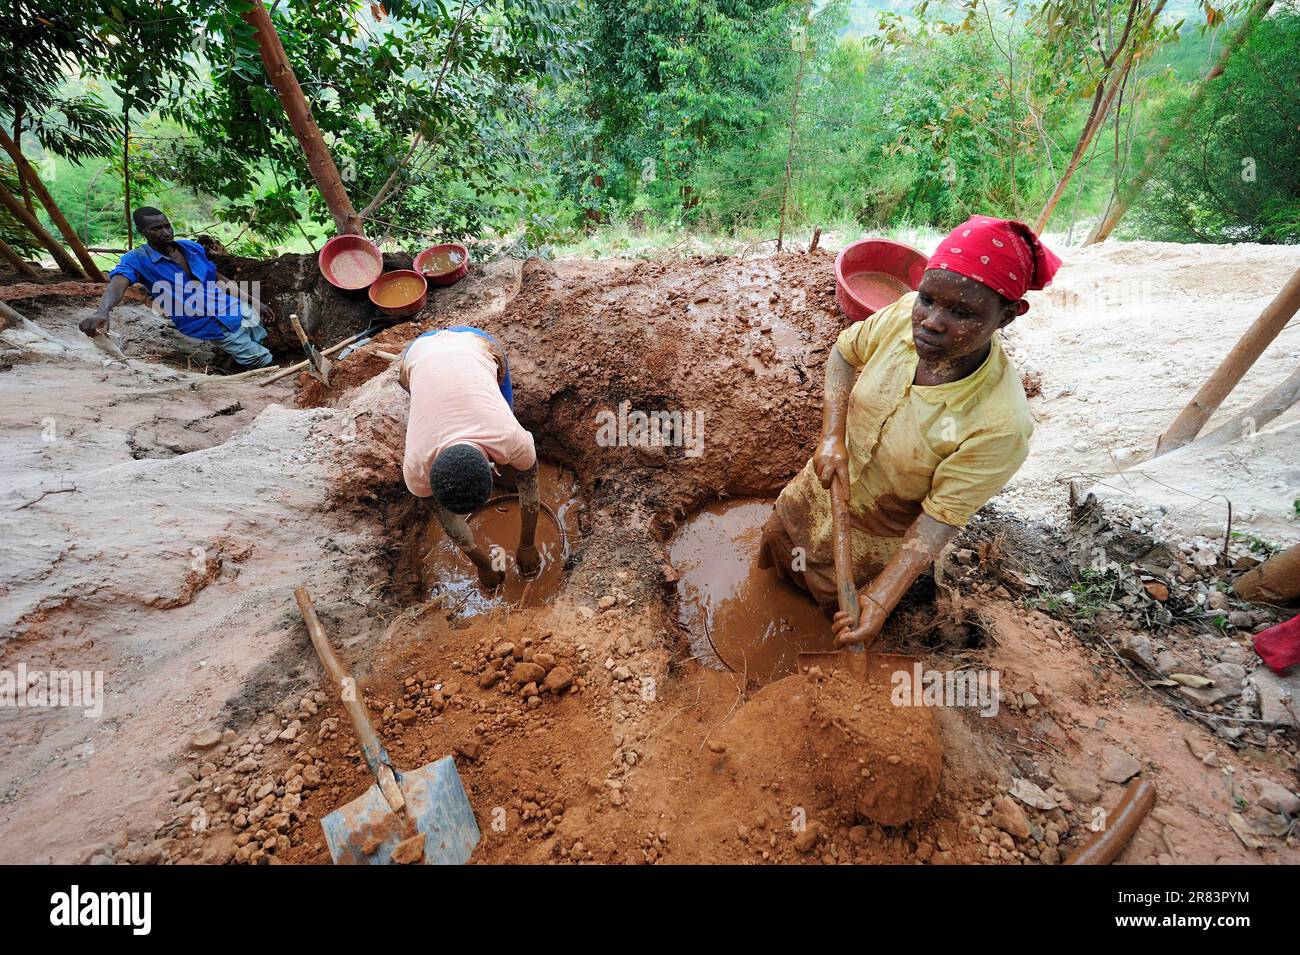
(461, 432)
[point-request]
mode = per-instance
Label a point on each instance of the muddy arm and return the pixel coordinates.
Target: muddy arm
(832, 456)
(921, 547)
(529, 504)
(457, 529)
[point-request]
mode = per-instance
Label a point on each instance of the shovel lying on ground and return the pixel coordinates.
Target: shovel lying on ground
(420, 816)
(320, 365)
(854, 659)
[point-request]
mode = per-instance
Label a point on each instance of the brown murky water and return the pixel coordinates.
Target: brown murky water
(450, 574)
(442, 262)
(402, 290)
(877, 286)
(735, 611)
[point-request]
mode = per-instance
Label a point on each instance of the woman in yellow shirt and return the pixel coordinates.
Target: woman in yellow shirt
(924, 420)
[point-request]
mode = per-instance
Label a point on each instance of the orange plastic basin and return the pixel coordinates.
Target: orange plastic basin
(873, 273)
(350, 261)
(400, 293)
(444, 264)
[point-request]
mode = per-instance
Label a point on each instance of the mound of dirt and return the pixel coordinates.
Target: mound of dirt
(867, 758)
(880, 760)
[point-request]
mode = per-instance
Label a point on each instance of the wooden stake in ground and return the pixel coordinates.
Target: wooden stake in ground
(27, 172)
(1219, 385)
(1157, 152)
(67, 265)
(319, 160)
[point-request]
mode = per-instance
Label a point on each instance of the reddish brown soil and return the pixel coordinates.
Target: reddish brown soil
(584, 730)
(58, 291)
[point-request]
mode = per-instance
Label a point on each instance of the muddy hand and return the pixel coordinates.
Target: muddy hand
(528, 561)
(94, 324)
(489, 578)
(830, 459)
(871, 620)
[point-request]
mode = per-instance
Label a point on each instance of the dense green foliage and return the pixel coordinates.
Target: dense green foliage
(530, 122)
(1234, 175)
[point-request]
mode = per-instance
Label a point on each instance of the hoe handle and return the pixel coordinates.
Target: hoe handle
(371, 745)
(842, 533)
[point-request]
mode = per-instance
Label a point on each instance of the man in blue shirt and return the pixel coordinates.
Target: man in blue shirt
(186, 285)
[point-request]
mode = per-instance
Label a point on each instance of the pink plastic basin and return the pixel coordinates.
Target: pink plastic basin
(400, 293)
(439, 263)
(350, 261)
(873, 273)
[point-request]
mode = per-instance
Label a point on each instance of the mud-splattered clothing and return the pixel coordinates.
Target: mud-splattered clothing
(942, 449)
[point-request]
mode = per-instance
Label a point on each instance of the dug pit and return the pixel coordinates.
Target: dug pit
(450, 578)
(735, 613)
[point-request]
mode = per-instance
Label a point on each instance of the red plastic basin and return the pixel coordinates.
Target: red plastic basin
(350, 261)
(871, 274)
(444, 264)
(400, 293)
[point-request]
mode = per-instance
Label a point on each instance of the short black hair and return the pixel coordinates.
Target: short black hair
(145, 212)
(461, 478)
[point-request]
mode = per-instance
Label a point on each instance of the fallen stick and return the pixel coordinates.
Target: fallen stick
(1105, 846)
(284, 372)
(9, 315)
(46, 493)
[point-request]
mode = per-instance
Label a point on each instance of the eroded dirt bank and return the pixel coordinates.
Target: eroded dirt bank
(583, 729)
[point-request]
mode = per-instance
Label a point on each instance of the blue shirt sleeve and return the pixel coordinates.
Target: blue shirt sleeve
(127, 265)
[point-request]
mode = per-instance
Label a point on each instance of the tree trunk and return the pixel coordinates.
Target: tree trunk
(1230, 371)
(65, 262)
(27, 173)
(323, 170)
(20, 265)
(126, 178)
(794, 121)
(1151, 162)
(1097, 118)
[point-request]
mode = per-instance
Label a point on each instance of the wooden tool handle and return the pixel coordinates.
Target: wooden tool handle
(842, 534)
(371, 746)
(299, 366)
(298, 330)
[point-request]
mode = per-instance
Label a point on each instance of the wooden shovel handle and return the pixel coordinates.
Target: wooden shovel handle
(842, 533)
(371, 746)
(302, 335)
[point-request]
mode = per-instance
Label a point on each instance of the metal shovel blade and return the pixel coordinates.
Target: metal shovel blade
(436, 807)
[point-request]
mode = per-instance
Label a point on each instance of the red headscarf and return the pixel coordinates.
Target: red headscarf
(1004, 255)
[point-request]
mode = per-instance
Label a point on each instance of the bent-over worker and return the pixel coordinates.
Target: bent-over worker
(460, 428)
(924, 420)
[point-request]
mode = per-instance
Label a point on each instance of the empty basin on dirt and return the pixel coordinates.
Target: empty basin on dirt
(449, 574)
(740, 614)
